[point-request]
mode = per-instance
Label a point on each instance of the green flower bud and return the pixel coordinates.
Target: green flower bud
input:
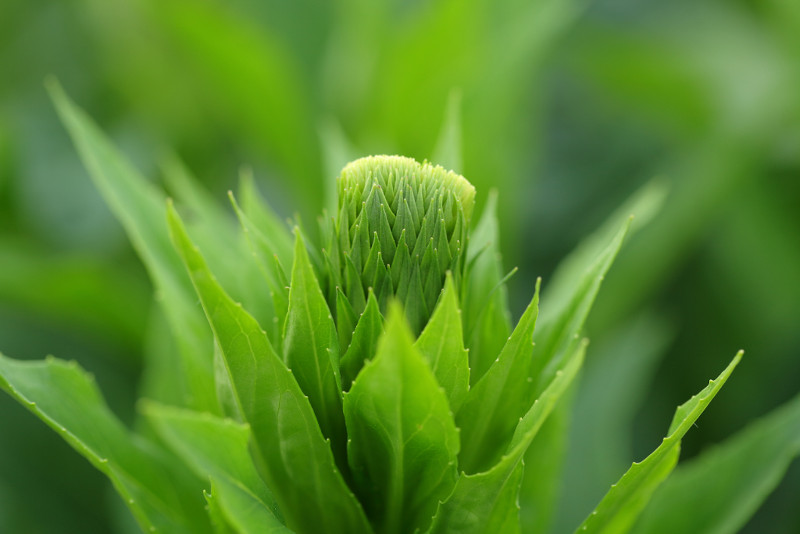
(400, 227)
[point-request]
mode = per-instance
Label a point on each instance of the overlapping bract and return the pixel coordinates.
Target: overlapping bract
(400, 227)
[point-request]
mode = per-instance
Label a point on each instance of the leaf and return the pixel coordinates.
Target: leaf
(488, 501)
(403, 440)
(620, 507)
(311, 348)
(140, 208)
(447, 152)
(215, 512)
(290, 451)
(364, 341)
(266, 257)
(494, 405)
(486, 319)
(218, 448)
(442, 343)
(717, 492)
(564, 315)
(160, 495)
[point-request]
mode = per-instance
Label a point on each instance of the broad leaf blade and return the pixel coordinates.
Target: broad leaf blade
(291, 452)
(621, 506)
(717, 492)
(311, 348)
(403, 440)
(494, 405)
(159, 495)
(442, 343)
(488, 501)
(218, 448)
(140, 208)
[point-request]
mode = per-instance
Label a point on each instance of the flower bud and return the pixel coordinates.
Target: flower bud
(400, 227)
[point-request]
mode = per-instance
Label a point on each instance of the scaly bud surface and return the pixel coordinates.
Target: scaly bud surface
(401, 225)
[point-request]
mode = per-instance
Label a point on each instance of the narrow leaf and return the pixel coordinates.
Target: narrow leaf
(140, 208)
(494, 405)
(621, 506)
(404, 441)
(442, 343)
(244, 499)
(364, 341)
(67, 399)
(311, 347)
(488, 501)
(717, 492)
(292, 455)
(486, 319)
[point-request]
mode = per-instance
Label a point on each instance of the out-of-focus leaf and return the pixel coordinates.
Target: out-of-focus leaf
(621, 506)
(488, 501)
(311, 348)
(442, 343)
(447, 151)
(160, 495)
(291, 452)
(564, 315)
(717, 492)
(494, 405)
(364, 341)
(251, 82)
(242, 496)
(486, 320)
(272, 228)
(403, 439)
(140, 208)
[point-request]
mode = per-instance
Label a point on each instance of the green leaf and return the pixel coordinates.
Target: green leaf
(200, 439)
(621, 506)
(447, 152)
(290, 450)
(442, 343)
(364, 341)
(216, 513)
(566, 309)
(262, 248)
(494, 405)
(161, 496)
(140, 208)
(403, 440)
(488, 501)
(311, 348)
(717, 492)
(486, 319)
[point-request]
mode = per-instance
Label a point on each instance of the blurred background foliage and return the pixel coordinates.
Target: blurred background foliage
(566, 107)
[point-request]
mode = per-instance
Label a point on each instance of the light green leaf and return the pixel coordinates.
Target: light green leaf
(442, 343)
(364, 341)
(215, 512)
(218, 448)
(494, 405)
(563, 316)
(621, 506)
(291, 452)
(717, 492)
(447, 151)
(487, 501)
(161, 496)
(273, 229)
(311, 348)
(262, 248)
(403, 440)
(140, 208)
(486, 318)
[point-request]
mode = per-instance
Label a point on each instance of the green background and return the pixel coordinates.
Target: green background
(566, 107)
